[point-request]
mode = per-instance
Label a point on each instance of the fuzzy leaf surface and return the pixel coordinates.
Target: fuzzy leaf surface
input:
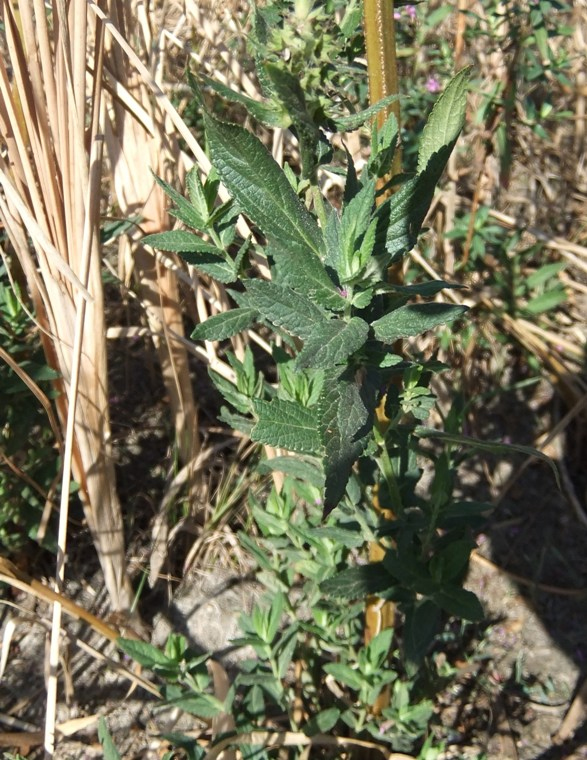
(180, 241)
(225, 325)
(184, 210)
(286, 425)
(332, 342)
(414, 319)
(283, 307)
(261, 188)
(301, 270)
(446, 119)
(358, 582)
(346, 419)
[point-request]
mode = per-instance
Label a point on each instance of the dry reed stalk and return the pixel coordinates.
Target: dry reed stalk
(138, 144)
(49, 207)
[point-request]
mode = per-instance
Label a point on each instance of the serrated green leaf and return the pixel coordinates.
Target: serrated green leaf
(346, 418)
(332, 342)
(225, 325)
(236, 421)
(286, 425)
(494, 447)
(303, 272)
(414, 319)
(184, 211)
(212, 266)
(283, 307)
(261, 188)
(196, 192)
(180, 241)
(446, 119)
(358, 582)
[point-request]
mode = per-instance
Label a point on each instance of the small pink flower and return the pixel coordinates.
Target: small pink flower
(432, 84)
(411, 11)
(397, 15)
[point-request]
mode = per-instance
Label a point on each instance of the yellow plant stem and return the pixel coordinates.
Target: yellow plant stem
(379, 28)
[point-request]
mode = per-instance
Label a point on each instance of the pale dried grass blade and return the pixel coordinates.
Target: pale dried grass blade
(50, 155)
(9, 628)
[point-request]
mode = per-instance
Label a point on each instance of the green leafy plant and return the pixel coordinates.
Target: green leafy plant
(27, 472)
(514, 274)
(349, 409)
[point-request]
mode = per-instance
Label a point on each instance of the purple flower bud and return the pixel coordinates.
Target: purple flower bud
(432, 84)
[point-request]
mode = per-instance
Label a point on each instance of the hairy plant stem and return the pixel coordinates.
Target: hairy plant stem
(379, 28)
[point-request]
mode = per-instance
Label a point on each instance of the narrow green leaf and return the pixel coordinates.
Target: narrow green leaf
(260, 187)
(493, 447)
(356, 120)
(379, 646)
(145, 654)
(108, 746)
(286, 425)
(346, 420)
(546, 301)
(296, 467)
(351, 539)
(414, 319)
(425, 289)
(196, 192)
(202, 705)
(446, 119)
(283, 307)
(225, 325)
(332, 342)
(358, 582)
(344, 674)
(207, 258)
(236, 421)
(265, 113)
(180, 241)
(184, 211)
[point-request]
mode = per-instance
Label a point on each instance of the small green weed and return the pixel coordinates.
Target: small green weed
(27, 474)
